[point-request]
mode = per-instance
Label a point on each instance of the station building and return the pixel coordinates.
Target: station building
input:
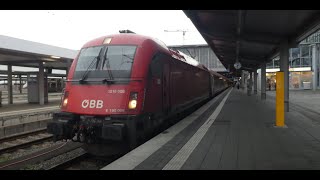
(303, 62)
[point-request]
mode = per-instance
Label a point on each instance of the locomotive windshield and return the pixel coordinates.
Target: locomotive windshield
(105, 62)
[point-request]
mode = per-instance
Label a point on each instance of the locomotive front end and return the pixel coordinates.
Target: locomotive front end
(102, 98)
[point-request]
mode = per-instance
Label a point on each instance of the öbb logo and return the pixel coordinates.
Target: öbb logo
(92, 103)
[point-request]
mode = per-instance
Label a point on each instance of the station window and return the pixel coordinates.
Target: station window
(305, 51)
(305, 62)
(270, 64)
(295, 53)
(276, 63)
(296, 62)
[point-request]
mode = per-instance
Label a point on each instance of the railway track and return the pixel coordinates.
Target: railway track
(60, 156)
(30, 154)
(84, 161)
(20, 141)
(71, 158)
(30, 160)
(66, 163)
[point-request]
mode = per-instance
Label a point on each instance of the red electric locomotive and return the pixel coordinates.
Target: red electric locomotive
(124, 86)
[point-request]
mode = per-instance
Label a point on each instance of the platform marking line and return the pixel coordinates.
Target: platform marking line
(141, 153)
(180, 158)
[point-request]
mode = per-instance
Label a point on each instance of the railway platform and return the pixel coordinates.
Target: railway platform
(21, 108)
(21, 104)
(306, 98)
(233, 131)
(21, 118)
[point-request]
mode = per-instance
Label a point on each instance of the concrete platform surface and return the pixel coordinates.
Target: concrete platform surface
(12, 109)
(232, 131)
(305, 98)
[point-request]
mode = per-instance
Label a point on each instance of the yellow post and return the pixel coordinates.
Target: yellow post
(280, 99)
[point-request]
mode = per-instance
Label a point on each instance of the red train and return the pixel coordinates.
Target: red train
(124, 86)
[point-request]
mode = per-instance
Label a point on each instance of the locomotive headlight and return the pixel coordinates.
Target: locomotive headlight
(65, 102)
(107, 40)
(133, 100)
(132, 104)
(65, 99)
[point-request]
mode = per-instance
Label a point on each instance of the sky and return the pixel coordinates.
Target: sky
(73, 28)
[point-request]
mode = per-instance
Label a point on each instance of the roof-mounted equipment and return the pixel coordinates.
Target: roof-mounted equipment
(126, 31)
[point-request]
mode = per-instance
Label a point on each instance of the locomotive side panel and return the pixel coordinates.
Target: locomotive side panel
(189, 85)
(153, 103)
(202, 84)
(178, 75)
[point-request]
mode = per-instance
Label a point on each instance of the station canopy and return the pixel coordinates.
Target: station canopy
(19, 52)
(252, 37)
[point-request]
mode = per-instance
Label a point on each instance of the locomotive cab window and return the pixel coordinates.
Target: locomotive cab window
(105, 62)
(156, 66)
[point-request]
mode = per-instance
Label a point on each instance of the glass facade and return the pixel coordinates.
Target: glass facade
(297, 80)
(271, 81)
(300, 80)
(300, 58)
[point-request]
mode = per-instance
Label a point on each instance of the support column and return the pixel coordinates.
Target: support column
(318, 62)
(314, 67)
(280, 113)
(250, 82)
(263, 81)
(62, 83)
(27, 81)
(20, 84)
(67, 72)
(255, 82)
(284, 67)
(249, 85)
(9, 86)
(242, 79)
(41, 83)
